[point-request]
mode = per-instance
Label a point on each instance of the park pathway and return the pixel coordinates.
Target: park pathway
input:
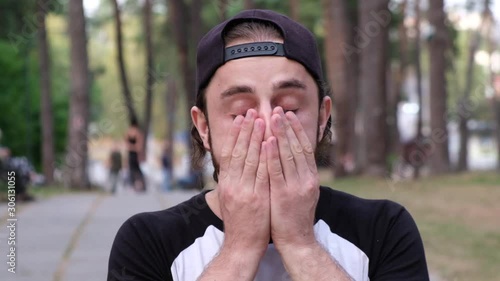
(69, 237)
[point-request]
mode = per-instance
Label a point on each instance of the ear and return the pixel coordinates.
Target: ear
(324, 115)
(201, 123)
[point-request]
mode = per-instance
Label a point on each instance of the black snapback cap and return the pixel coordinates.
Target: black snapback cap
(299, 45)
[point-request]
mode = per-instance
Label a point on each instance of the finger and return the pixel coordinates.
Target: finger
(239, 153)
(307, 148)
(276, 177)
(285, 153)
(262, 177)
(228, 146)
(301, 164)
(253, 154)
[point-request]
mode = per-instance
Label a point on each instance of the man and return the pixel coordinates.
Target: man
(261, 112)
(24, 172)
(115, 166)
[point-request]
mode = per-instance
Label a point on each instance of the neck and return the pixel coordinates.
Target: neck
(212, 198)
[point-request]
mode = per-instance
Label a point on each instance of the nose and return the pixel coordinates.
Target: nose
(265, 113)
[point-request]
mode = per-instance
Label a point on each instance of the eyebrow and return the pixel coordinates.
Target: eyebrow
(231, 91)
(243, 89)
(291, 83)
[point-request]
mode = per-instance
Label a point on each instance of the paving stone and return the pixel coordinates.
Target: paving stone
(89, 260)
(43, 231)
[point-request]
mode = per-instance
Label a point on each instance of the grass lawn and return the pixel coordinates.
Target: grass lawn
(41, 192)
(458, 217)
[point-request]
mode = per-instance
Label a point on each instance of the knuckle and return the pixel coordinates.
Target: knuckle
(237, 154)
(312, 182)
(289, 158)
(251, 163)
(287, 126)
(297, 148)
(227, 194)
(247, 126)
(225, 154)
(261, 176)
(308, 149)
(277, 172)
(263, 162)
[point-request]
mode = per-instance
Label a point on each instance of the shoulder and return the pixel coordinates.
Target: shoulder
(342, 203)
(350, 214)
(384, 230)
(156, 223)
(175, 223)
(147, 243)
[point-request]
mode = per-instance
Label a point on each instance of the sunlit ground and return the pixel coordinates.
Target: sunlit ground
(458, 217)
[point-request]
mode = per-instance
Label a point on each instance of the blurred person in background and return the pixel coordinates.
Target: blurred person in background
(166, 163)
(23, 169)
(115, 166)
(134, 140)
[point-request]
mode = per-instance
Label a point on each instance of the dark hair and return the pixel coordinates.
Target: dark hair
(254, 30)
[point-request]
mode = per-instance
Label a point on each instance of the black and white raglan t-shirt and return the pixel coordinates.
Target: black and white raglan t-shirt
(371, 239)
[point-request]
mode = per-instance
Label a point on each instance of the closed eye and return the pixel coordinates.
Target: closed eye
(236, 115)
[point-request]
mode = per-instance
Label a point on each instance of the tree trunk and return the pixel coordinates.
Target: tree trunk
(496, 109)
(439, 155)
(374, 18)
(463, 106)
(148, 26)
(336, 37)
(352, 89)
(418, 70)
(121, 62)
(184, 29)
(196, 34)
(398, 77)
(181, 28)
(170, 107)
(294, 9)
(46, 116)
(76, 160)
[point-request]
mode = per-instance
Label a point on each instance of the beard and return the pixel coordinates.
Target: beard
(216, 164)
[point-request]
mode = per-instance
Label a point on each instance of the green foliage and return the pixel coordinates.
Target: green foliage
(19, 104)
(14, 16)
(20, 96)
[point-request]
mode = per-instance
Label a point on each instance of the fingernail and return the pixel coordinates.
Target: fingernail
(238, 120)
(249, 114)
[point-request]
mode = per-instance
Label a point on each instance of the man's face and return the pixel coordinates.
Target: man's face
(261, 83)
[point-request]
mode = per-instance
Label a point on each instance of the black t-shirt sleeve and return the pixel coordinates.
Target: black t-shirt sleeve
(135, 254)
(402, 256)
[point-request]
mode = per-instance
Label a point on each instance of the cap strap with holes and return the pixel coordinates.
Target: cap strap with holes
(253, 50)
